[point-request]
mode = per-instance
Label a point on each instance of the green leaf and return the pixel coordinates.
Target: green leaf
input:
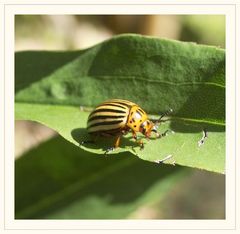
(57, 180)
(157, 74)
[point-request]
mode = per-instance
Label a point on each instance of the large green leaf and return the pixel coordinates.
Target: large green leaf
(157, 74)
(57, 180)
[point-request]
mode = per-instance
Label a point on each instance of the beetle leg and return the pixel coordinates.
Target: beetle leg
(134, 135)
(141, 145)
(116, 145)
(138, 141)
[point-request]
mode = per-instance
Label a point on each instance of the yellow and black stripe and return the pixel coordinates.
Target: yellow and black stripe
(109, 117)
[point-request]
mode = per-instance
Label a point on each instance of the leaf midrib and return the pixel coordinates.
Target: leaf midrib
(89, 109)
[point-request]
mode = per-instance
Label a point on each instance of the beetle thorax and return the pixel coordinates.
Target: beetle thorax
(136, 117)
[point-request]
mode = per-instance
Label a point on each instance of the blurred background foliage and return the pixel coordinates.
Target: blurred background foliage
(51, 32)
(198, 195)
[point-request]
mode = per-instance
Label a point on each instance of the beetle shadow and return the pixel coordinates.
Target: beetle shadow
(81, 137)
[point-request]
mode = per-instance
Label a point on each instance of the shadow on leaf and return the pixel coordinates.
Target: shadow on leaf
(81, 136)
(57, 180)
(37, 67)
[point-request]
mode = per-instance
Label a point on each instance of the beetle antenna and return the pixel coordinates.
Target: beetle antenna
(166, 113)
(163, 115)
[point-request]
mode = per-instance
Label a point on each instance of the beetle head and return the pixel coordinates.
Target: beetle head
(147, 127)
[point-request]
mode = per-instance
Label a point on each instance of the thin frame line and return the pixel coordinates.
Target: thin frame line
(121, 4)
(144, 229)
(114, 5)
(4, 118)
(235, 115)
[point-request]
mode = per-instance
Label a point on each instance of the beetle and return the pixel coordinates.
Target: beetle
(117, 117)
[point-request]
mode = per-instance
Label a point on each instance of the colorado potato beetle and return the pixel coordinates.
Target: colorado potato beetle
(117, 117)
